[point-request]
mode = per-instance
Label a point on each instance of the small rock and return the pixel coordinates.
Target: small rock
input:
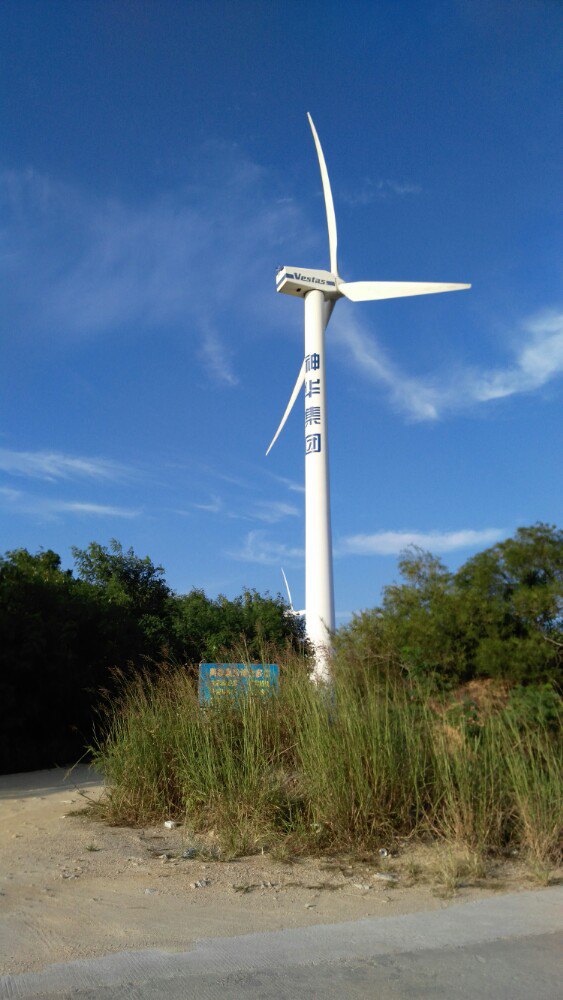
(189, 853)
(309, 906)
(383, 852)
(385, 877)
(149, 892)
(203, 882)
(169, 824)
(361, 885)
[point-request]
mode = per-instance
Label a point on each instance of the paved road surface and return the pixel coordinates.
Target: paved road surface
(503, 948)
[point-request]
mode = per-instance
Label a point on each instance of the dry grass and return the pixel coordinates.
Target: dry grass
(313, 771)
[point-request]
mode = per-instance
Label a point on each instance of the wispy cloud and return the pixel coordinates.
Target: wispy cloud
(292, 486)
(390, 543)
(408, 394)
(19, 502)
(268, 511)
(272, 511)
(78, 265)
(98, 509)
(368, 191)
(538, 358)
(259, 548)
(51, 465)
(216, 356)
(214, 505)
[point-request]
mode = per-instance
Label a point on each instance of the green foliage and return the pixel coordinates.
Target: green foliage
(58, 640)
(203, 628)
(63, 636)
(309, 770)
(133, 584)
(512, 598)
(499, 615)
(536, 705)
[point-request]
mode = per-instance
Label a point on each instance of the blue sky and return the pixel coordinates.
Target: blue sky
(156, 166)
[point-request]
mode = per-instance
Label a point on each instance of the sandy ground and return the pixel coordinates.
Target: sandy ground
(72, 887)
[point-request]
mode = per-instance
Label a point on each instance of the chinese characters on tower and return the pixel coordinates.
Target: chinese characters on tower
(312, 413)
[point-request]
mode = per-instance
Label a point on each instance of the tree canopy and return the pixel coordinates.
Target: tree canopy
(63, 635)
(64, 632)
(499, 615)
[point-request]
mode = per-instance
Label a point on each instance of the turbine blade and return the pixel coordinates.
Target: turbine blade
(367, 291)
(329, 204)
(289, 407)
(287, 588)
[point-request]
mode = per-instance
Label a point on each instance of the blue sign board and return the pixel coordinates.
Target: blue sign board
(220, 679)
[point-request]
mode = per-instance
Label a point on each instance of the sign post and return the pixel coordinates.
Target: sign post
(217, 680)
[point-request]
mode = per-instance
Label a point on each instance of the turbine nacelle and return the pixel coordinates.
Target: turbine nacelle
(300, 280)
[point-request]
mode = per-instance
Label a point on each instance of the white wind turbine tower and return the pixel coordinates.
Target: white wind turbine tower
(320, 290)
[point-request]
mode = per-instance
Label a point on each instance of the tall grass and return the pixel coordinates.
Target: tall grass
(318, 769)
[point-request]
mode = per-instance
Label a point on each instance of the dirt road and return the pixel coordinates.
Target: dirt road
(71, 887)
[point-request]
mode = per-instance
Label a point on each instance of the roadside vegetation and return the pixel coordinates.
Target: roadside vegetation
(65, 633)
(442, 721)
(370, 761)
(441, 724)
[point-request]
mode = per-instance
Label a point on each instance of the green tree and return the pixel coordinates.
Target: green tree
(511, 598)
(205, 628)
(61, 636)
(134, 584)
(499, 615)
(59, 641)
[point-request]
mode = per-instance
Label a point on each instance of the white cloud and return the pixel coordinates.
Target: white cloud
(272, 511)
(390, 543)
(77, 265)
(368, 191)
(98, 509)
(53, 465)
(259, 548)
(290, 483)
(419, 401)
(18, 502)
(216, 357)
(269, 511)
(214, 506)
(10, 494)
(538, 359)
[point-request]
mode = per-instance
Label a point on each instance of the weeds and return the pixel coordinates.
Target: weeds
(313, 770)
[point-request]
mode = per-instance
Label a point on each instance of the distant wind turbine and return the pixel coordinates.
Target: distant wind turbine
(320, 290)
(292, 612)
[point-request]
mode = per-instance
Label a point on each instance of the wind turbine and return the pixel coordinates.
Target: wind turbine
(292, 612)
(320, 291)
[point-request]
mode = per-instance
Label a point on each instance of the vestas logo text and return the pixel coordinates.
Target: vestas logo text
(305, 277)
